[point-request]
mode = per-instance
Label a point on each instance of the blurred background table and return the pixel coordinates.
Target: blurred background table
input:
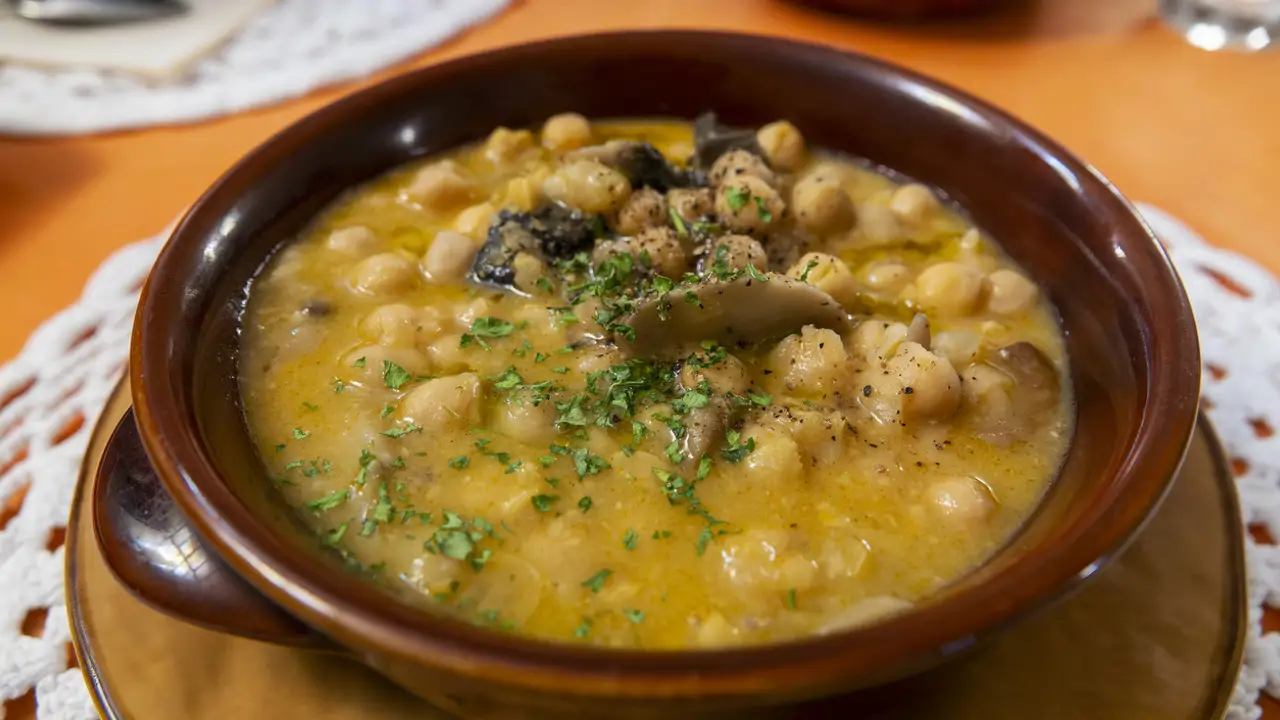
(1190, 131)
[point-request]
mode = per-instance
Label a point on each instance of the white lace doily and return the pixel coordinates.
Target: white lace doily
(293, 48)
(52, 393)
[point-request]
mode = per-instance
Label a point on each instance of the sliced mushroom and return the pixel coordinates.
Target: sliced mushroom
(918, 331)
(1038, 388)
(711, 140)
(548, 233)
(642, 164)
(737, 312)
(1011, 393)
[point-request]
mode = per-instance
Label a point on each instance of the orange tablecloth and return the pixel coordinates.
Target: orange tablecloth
(1192, 132)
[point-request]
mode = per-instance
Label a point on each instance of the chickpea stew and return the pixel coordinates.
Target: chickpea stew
(442, 374)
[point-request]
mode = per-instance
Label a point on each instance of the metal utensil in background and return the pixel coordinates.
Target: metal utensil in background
(96, 12)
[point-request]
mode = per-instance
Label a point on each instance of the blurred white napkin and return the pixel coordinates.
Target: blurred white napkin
(155, 49)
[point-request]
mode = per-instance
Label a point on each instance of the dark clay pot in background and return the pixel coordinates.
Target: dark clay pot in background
(1130, 335)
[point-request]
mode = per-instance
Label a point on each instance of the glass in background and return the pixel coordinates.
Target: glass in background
(1219, 24)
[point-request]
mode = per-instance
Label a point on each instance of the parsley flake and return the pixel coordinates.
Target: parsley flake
(328, 502)
(597, 581)
(629, 540)
(542, 502)
(300, 434)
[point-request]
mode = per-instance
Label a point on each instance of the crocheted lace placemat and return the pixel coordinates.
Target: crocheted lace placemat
(52, 393)
(290, 49)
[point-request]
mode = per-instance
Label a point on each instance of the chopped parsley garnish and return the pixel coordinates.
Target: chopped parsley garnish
(737, 197)
(704, 467)
(704, 537)
(678, 222)
(460, 462)
(300, 434)
(338, 385)
(635, 616)
(399, 432)
(791, 599)
(763, 399)
(358, 363)
(332, 537)
(309, 407)
(736, 450)
(585, 503)
(328, 502)
(584, 463)
(387, 409)
(583, 629)
(508, 380)
(454, 544)
(804, 276)
(545, 285)
(394, 376)
(597, 581)
(542, 502)
(487, 327)
(280, 447)
(629, 540)
(673, 453)
(765, 215)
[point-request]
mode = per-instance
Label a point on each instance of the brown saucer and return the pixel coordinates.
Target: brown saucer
(1158, 634)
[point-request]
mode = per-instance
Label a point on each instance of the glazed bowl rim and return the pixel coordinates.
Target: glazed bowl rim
(367, 619)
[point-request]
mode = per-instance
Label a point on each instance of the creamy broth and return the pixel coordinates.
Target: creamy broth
(488, 446)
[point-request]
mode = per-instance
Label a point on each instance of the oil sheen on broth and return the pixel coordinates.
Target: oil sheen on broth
(465, 426)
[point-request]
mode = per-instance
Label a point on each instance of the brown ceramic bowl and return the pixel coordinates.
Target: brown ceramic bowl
(1130, 335)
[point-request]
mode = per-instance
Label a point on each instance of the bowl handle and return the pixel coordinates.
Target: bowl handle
(155, 553)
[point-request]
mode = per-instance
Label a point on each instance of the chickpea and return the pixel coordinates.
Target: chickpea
(385, 274)
(949, 288)
(930, 385)
(829, 274)
(958, 346)
(691, 204)
(646, 208)
(588, 186)
(783, 145)
(963, 498)
(1011, 293)
(358, 240)
(748, 205)
(727, 376)
(529, 270)
(525, 193)
(521, 419)
(738, 164)
(447, 353)
(876, 340)
(774, 465)
(656, 248)
(505, 146)
(877, 224)
(393, 325)
(441, 186)
(889, 277)
(740, 251)
(566, 131)
(821, 205)
(443, 403)
(864, 612)
(815, 360)
(913, 203)
(475, 220)
(367, 362)
(449, 257)
(597, 358)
